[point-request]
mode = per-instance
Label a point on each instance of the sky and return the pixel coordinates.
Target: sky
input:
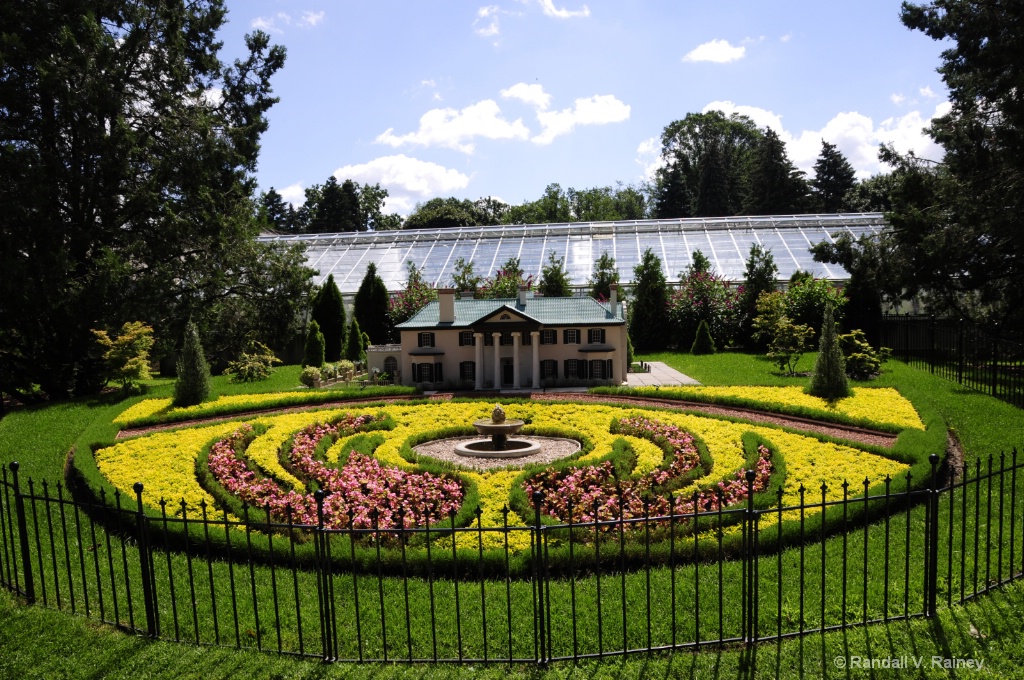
(466, 99)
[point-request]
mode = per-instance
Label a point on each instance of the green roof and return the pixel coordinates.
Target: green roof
(548, 311)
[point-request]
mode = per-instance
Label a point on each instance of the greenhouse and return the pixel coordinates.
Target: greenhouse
(725, 241)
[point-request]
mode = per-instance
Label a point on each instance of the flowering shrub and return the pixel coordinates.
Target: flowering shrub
(363, 494)
(704, 296)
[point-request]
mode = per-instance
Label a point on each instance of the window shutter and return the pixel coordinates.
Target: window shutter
(581, 369)
(609, 374)
(601, 335)
(462, 340)
(415, 373)
(565, 336)
(554, 368)
(565, 367)
(419, 339)
(438, 374)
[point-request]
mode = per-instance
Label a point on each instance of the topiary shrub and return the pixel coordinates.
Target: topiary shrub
(310, 376)
(862, 361)
(829, 380)
(193, 384)
(355, 351)
(314, 352)
(703, 343)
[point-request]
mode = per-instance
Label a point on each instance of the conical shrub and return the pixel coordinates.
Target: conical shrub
(829, 380)
(703, 343)
(193, 384)
(314, 353)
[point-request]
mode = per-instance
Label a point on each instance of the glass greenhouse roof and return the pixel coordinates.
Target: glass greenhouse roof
(725, 241)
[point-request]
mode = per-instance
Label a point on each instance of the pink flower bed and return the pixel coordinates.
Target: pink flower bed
(353, 492)
(582, 487)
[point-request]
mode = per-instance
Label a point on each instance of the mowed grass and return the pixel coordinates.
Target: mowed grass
(59, 645)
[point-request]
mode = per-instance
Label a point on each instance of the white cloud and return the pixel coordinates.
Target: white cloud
(311, 19)
(486, 23)
(786, 38)
(648, 156)
(596, 110)
(550, 10)
(408, 180)
(264, 24)
(428, 83)
(855, 134)
(718, 51)
(534, 95)
(456, 129)
(897, 99)
(928, 92)
(294, 194)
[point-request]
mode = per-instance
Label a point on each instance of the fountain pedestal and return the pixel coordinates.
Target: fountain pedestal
(499, 445)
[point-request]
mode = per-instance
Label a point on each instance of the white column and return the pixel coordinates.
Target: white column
(535, 342)
(497, 360)
(515, 359)
(478, 341)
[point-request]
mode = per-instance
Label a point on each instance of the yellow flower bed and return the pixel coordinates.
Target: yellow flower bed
(881, 405)
(165, 462)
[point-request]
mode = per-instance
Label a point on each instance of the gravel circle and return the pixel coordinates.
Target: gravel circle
(553, 448)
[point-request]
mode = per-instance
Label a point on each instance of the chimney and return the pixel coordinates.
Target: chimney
(613, 301)
(524, 294)
(446, 302)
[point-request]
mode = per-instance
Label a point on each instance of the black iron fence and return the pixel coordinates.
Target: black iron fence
(956, 350)
(593, 589)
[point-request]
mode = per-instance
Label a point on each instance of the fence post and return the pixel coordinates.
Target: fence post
(961, 351)
(145, 563)
(995, 359)
(749, 585)
(26, 557)
(322, 576)
(906, 338)
(932, 557)
(931, 344)
(538, 498)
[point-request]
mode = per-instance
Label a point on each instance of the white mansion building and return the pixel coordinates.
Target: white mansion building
(524, 342)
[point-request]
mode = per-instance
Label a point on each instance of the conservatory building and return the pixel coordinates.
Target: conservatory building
(514, 343)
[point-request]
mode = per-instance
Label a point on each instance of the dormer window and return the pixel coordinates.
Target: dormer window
(595, 336)
(426, 339)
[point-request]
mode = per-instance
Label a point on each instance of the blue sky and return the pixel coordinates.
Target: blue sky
(474, 99)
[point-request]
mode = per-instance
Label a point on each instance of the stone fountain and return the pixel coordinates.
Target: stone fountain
(499, 445)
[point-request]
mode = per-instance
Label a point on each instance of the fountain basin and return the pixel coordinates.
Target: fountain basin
(485, 448)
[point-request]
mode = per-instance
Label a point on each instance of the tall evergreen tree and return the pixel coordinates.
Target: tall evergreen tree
(647, 314)
(554, 280)
(773, 185)
(713, 183)
(278, 214)
(371, 307)
(605, 274)
(124, 187)
(834, 177)
(313, 354)
(328, 310)
(758, 277)
(336, 208)
(355, 351)
(829, 380)
(193, 384)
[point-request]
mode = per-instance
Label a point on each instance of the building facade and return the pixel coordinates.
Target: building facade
(516, 343)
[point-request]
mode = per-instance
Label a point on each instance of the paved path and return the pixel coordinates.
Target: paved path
(661, 374)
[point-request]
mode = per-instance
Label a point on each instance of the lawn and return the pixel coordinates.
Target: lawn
(40, 438)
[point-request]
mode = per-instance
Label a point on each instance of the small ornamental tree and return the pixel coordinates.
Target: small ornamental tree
(463, 278)
(415, 297)
(329, 311)
(807, 298)
(554, 280)
(703, 297)
(605, 274)
(193, 384)
(789, 342)
(759, 277)
(253, 365)
(863, 362)
(829, 380)
(700, 264)
(649, 312)
(703, 343)
(355, 350)
(314, 352)
(127, 355)
(506, 281)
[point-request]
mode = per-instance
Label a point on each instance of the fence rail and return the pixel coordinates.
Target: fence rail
(590, 589)
(959, 351)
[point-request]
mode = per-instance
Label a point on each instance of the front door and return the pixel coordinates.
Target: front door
(507, 372)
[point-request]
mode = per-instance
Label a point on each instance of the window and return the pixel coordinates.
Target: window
(571, 368)
(571, 336)
(426, 340)
(548, 337)
(488, 339)
(597, 367)
(466, 339)
(595, 336)
(506, 338)
(548, 369)
(467, 371)
(423, 372)
(391, 366)
(526, 339)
